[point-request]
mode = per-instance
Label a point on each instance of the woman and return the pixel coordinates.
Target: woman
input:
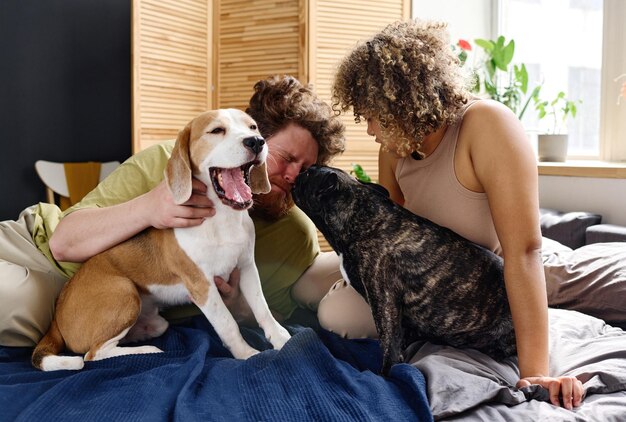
(461, 162)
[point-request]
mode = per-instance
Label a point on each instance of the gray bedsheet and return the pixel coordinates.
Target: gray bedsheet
(466, 385)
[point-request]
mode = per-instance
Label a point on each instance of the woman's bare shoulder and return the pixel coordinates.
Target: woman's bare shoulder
(490, 120)
(488, 111)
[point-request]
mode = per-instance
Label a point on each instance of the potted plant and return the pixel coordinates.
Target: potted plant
(360, 173)
(552, 146)
(499, 78)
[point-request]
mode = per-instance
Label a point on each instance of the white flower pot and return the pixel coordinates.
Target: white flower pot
(552, 147)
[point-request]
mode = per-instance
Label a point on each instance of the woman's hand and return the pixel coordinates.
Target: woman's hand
(163, 213)
(569, 390)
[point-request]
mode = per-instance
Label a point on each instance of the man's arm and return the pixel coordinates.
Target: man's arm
(89, 231)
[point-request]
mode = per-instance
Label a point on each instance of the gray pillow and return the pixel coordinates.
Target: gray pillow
(568, 228)
(590, 279)
(605, 233)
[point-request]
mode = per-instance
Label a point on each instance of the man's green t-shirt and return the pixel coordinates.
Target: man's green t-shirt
(284, 249)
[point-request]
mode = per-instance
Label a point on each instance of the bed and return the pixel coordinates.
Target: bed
(319, 376)
(585, 267)
(465, 385)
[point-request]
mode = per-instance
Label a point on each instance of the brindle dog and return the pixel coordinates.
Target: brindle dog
(422, 281)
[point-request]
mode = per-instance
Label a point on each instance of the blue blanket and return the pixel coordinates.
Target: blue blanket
(317, 376)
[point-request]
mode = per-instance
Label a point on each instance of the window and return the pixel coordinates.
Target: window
(584, 131)
(560, 43)
(588, 66)
(575, 46)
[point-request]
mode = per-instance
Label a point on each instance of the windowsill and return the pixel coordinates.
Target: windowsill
(573, 168)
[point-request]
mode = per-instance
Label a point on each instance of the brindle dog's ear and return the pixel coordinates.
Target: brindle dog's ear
(380, 189)
(178, 170)
(329, 183)
(259, 181)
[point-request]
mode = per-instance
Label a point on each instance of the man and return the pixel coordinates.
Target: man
(40, 256)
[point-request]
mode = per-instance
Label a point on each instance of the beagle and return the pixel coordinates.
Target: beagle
(115, 296)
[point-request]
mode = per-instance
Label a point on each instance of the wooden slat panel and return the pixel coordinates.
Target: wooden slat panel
(257, 38)
(171, 66)
(178, 54)
(333, 35)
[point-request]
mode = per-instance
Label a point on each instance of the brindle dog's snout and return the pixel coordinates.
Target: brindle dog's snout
(302, 180)
(254, 143)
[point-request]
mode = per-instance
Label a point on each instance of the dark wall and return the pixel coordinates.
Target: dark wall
(64, 90)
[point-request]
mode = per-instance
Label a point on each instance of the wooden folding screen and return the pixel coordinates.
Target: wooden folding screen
(194, 55)
(256, 39)
(335, 28)
(172, 56)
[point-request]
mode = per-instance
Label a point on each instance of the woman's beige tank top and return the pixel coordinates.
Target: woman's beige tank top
(432, 190)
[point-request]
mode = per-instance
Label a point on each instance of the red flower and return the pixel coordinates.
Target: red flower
(464, 45)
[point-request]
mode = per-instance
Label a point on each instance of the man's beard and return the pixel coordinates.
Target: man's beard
(272, 205)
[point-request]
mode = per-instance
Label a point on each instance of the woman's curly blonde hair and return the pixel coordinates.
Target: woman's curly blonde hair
(280, 100)
(407, 77)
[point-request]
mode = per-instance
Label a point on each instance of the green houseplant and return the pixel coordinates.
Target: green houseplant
(559, 109)
(360, 173)
(552, 146)
(500, 78)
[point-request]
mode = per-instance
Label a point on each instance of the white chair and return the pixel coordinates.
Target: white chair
(52, 174)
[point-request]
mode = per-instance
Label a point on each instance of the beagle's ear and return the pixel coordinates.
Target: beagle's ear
(259, 181)
(178, 170)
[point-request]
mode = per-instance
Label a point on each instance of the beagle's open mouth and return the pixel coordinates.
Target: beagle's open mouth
(232, 185)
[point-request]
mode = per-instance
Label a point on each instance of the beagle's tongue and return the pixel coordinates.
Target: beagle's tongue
(234, 186)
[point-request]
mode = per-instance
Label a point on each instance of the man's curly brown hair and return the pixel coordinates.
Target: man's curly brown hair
(407, 77)
(279, 101)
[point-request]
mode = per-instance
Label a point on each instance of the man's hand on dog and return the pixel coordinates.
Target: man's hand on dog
(166, 214)
(234, 300)
(236, 303)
